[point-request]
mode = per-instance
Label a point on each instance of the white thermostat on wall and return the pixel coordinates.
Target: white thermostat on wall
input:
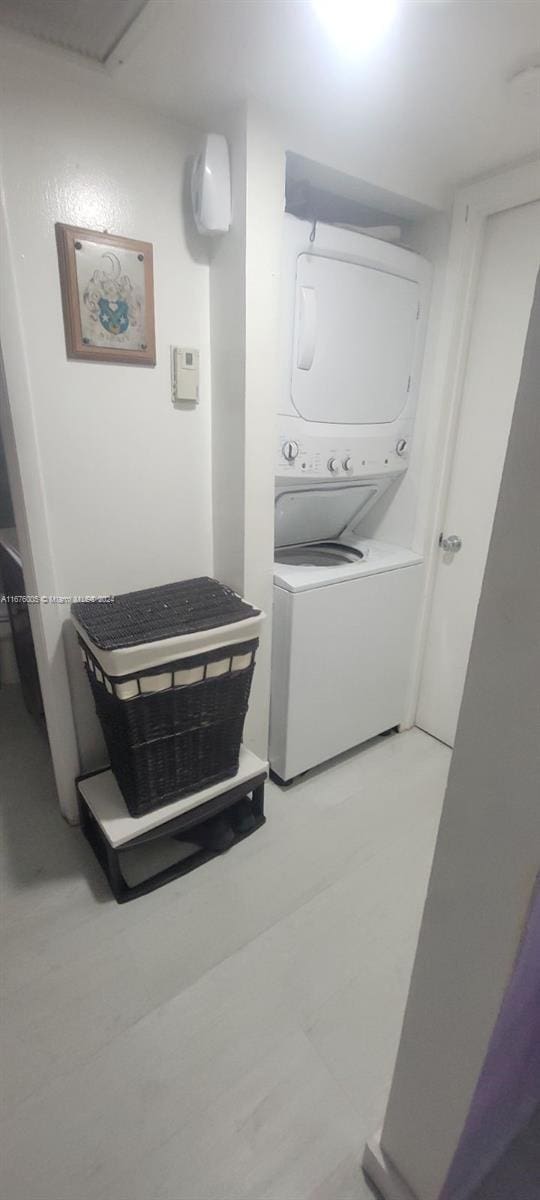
(211, 186)
(185, 375)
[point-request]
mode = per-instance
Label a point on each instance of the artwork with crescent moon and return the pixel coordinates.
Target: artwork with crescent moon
(107, 295)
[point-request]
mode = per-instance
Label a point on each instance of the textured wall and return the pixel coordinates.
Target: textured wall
(126, 476)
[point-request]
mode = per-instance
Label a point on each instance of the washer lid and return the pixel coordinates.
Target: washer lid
(322, 513)
(378, 557)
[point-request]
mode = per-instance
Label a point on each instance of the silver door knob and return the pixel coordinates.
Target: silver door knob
(452, 543)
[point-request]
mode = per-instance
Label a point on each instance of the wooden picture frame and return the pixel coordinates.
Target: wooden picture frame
(107, 285)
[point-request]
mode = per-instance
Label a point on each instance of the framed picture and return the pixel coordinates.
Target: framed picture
(107, 295)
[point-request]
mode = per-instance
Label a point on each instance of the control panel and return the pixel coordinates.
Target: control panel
(302, 457)
(185, 375)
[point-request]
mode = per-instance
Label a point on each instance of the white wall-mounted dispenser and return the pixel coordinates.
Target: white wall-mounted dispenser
(211, 186)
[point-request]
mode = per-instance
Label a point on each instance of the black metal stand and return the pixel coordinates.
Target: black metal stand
(193, 821)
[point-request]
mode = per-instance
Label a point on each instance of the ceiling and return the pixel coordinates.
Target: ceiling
(430, 106)
(434, 94)
(90, 27)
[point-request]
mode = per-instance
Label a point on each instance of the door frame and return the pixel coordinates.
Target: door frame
(473, 204)
(30, 510)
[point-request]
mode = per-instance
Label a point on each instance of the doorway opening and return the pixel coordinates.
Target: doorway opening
(26, 770)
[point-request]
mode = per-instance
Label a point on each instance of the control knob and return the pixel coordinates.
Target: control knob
(333, 465)
(290, 450)
(347, 464)
(401, 446)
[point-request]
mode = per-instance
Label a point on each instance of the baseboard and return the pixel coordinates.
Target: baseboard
(382, 1172)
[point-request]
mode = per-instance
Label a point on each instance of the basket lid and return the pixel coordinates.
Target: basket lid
(157, 613)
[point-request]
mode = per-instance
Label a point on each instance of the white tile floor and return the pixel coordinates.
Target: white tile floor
(233, 1034)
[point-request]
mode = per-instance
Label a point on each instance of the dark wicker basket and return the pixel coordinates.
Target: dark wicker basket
(178, 740)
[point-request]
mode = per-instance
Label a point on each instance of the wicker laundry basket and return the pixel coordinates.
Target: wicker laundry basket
(170, 670)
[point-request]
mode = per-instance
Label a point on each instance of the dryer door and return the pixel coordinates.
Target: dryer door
(355, 329)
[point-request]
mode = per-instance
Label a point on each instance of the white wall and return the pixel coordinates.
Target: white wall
(264, 229)
(244, 307)
(126, 477)
(144, 514)
(228, 338)
(486, 858)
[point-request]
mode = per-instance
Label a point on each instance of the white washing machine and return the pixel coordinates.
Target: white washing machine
(344, 607)
(342, 643)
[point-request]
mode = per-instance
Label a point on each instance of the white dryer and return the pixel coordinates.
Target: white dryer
(354, 316)
(344, 607)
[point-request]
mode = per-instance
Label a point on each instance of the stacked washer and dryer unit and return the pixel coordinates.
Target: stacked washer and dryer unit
(345, 605)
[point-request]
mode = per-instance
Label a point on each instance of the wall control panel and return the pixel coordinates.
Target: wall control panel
(302, 457)
(184, 375)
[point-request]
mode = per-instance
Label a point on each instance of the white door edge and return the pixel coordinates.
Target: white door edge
(473, 204)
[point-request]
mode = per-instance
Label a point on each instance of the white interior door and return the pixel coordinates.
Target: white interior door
(510, 263)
